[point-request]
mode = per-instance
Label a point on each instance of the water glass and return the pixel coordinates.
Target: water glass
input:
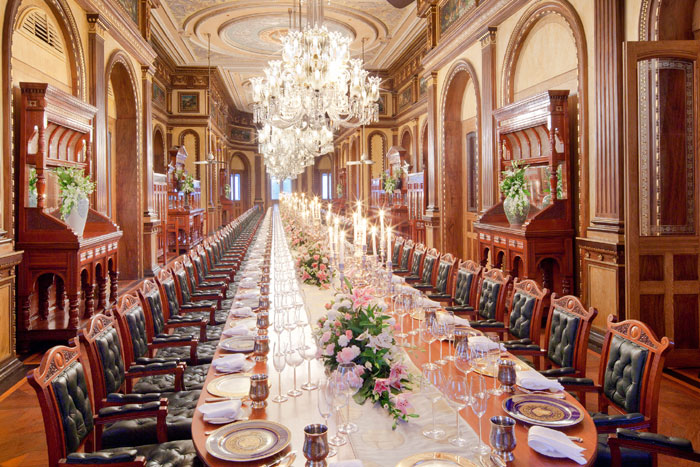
(279, 360)
(325, 406)
(479, 397)
(432, 382)
(456, 393)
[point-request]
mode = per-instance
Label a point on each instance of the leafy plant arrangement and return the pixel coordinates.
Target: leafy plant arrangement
(227, 191)
(74, 185)
(389, 183)
(339, 190)
(514, 187)
(312, 264)
(32, 182)
(185, 181)
(356, 330)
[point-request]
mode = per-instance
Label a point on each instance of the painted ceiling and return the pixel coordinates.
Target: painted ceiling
(246, 34)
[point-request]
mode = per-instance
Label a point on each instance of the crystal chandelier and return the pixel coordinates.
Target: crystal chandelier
(316, 84)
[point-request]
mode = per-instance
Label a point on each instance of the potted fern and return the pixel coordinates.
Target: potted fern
(75, 187)
(517, 197)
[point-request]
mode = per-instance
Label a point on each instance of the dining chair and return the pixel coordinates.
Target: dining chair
(406, 256)
(187, 294)
(396, 252)
(428, 274)
(177, 307)
(73, 430)
(443, 279)
(491, 302)
(416, 266)
(641, 447)
(629, 378)
(465, 286)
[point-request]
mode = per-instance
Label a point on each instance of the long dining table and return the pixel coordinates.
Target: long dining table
(300, 411)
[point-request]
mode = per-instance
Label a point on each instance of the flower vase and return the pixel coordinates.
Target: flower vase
(78, 216)
(32, 203)
(510, 206)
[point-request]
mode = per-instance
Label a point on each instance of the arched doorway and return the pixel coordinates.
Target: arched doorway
(159, 162)
(239, 180)
(122, 137)
(460, 117)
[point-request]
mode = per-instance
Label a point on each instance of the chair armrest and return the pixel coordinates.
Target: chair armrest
(606, 423)
(147, 360)
(199, 295)
(123, 458)
(159, 410)
(177, 369)
(579, 384)
(554, 372)
(201, 323)
(188, 341)
(116, 398)
(423, 286)
(655, 439)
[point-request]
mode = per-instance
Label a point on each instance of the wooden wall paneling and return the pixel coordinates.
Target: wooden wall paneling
(96, 49)
(259, 181)
(489, 177)
(151, 222)
(8, 325)
(432, 211)
(609, 180)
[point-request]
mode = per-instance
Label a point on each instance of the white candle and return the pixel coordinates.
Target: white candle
(330, 237)
(342, 247)
(388, 243)
(374, 240)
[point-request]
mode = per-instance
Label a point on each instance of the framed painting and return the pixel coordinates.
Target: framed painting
(452, 10)
(158, 95)
(188, 102)
(406, 97)
(244, 135)
(383, 107)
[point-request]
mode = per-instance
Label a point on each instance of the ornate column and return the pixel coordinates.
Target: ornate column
(97, 26)
(489, 177)
(432, 212)
(602, 252)
(151, 223)
(259, 180)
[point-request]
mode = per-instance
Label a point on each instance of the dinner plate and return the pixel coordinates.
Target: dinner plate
(484, 368)
(437, 459)
(248, 441)
(542, 410)
(233, 385)
(238, 344)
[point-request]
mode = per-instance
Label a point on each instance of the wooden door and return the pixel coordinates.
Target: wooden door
(661, 191)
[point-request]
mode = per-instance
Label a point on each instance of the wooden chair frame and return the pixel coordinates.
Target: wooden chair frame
(505, 280)
(474, 268)
(451, 276)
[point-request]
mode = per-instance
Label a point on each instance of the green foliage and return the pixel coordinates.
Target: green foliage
(389, 183)
(74, 185)
(514, 186)
(32, 181)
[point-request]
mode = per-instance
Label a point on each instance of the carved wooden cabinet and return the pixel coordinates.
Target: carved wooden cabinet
(534, 132)
(186, 217)
(55, 130)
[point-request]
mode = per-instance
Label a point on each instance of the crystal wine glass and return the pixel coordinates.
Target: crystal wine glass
(308, 353)
(325, 406)
(294, 359)
(337, 394)
(352, 384)
(432, 382)
(479, 397)
(450, 332)
(440, 335)
(492, 357)
(279, 361)
(456, 395)
(428, 336)
(401, 311)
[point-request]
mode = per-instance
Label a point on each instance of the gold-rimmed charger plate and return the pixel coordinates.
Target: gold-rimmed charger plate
(239, 344)
(482, 367)
(248, 441)
(437, 459)
(233, 385)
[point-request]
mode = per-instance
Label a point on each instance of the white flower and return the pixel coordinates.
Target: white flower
(382, 341)
(368, 365)
(363, 337)
(343, 340)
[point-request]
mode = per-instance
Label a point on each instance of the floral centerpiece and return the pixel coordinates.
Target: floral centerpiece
(357, 330)
(389, 183)
(74, 187)
(514, 188)
(313, 266)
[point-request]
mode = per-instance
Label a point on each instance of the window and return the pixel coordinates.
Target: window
(276, 189)
(472, 173)
(236, 187)
(326, 188)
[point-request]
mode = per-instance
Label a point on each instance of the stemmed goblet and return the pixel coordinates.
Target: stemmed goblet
(279, 360)
(432, 382)
(479, 397)
(337, 393)
(456, 395)
(428, 336)
(294, 359)
(308, 353)
(325, 406)
(352, 384)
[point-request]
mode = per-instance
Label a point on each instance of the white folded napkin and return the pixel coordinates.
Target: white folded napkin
(218, 410)
(426, 302)
(242, 312)
(448, 318)
(397, 279)
(536, 382)
(348, 463)
(248, 283)
(554, 443)
(229, 363)
(238, 330)
(247, 295)
(484, 344)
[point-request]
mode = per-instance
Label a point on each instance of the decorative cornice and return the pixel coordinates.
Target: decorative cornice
(121, 28)
(97, 24)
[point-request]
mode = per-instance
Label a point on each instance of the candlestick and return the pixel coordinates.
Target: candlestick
(388, 245)
(374, 240)
(342, 247)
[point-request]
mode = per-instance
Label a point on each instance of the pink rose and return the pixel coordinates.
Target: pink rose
(325, 337)
(348, 334)
(330, 348)
(314, 265)
(316, 257)
(328, 306)
(348, 354)
(347, 316)
(323, 267)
